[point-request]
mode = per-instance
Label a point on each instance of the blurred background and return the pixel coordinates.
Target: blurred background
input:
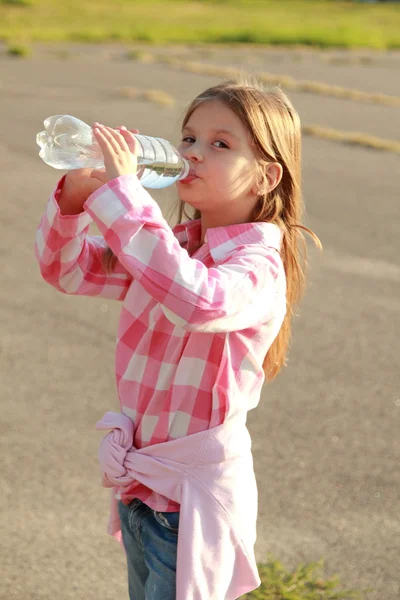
(325, 435)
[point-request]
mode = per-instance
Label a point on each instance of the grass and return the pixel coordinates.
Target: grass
(301, 584)
(18, 50)
(16, 2)
(322, 23)
(141, 55)
(352, 138)
(155, 96)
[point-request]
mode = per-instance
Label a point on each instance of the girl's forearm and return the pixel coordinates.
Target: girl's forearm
(70, 260)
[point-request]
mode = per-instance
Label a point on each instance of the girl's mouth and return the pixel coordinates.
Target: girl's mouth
(191, 177)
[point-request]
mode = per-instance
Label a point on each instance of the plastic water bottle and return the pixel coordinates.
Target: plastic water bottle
(68, 143)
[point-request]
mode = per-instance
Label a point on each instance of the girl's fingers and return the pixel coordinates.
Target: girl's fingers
(96, 124)
(127, 142)
(104, 142)
(124, 138)
(130, 140)
(116, 141)
(131, 130)
(119, 158)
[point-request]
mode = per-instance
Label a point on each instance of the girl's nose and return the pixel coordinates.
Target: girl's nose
(193, 152)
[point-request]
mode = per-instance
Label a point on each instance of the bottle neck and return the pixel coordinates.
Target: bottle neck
(185, 168)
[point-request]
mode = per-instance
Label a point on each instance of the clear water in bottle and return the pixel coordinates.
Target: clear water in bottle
(68, 143)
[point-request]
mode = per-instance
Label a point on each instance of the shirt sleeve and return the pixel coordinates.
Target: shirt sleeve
(237, 293)
(70, 260)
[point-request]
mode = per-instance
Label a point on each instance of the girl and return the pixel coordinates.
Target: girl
(205, 320)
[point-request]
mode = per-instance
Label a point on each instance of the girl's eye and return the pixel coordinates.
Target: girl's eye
(222, 144)
(188, 139)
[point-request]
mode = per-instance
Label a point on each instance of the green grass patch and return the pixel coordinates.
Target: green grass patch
(16, 2)
(322, 23)
(19, 50)
(301, 584)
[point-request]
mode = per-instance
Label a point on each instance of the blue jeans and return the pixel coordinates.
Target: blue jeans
(151, 540)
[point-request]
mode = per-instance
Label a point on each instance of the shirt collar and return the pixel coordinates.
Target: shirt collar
(222, 240)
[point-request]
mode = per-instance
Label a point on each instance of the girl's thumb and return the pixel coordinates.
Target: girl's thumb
(99, 174)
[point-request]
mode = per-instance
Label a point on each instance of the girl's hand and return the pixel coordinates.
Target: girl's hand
(119, 149)
(78, 186)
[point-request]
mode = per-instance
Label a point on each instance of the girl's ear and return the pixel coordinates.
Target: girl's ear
(274, 172)
(272, 178)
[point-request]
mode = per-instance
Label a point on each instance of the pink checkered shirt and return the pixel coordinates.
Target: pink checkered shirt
(196, 323)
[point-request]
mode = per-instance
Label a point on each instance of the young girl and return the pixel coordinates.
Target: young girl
(205, 320)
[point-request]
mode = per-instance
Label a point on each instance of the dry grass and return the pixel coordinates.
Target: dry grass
(199, 68)
(314, 87)
(353, 138)
(285, 81)
(348, 59)
(155, 96)
(141, 56)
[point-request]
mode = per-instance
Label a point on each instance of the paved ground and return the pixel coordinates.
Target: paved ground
(325, 435)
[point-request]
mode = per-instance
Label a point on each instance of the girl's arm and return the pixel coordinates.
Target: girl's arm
(243, 290)
(69, 259)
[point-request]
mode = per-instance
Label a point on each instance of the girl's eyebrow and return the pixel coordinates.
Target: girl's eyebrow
(214, 131)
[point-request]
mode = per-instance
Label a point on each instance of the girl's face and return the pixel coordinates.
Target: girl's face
(222, 162)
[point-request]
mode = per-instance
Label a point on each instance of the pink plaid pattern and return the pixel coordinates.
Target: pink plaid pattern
(195, 325)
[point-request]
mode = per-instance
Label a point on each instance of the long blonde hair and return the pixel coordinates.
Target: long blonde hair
(275, 131)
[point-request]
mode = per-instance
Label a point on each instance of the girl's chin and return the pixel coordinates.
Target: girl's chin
(183, 198)
(186, 191)
(192, 203)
